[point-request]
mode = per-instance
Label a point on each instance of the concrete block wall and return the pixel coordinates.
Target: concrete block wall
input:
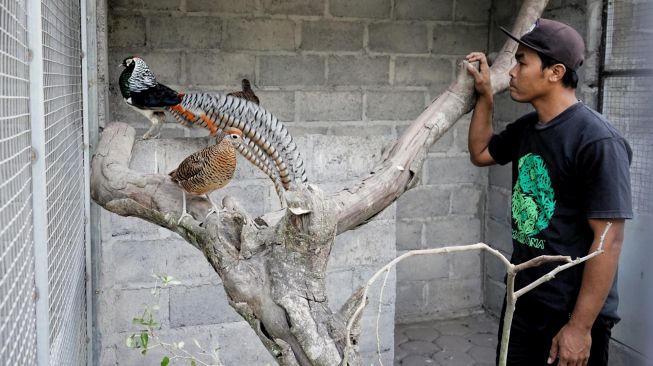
(336, 68)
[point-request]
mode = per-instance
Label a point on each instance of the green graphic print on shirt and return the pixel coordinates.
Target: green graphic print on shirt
(533, 201)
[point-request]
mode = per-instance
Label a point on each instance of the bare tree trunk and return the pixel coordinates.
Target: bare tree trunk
(273, 268)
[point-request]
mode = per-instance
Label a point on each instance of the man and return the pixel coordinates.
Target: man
(570, 178)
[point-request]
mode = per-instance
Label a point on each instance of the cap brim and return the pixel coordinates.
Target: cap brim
(516, 39)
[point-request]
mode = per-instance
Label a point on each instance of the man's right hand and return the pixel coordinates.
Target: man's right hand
(482, 82)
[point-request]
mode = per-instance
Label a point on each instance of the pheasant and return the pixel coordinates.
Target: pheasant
(247, 93)
(208, 169)
(142, 92)
(267, 141)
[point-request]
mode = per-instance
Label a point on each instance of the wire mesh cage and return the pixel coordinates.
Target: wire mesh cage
(628, 34)
(17, 310)
(627, 86)
(62, 81)
(64, 171)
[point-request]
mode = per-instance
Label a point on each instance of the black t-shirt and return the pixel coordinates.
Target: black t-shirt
(574, 168)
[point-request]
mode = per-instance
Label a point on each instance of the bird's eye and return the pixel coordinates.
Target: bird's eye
(235, 137)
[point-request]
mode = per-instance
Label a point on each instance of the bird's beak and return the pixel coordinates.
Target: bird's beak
(120, 65)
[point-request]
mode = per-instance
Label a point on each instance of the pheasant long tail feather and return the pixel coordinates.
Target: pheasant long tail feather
(215, 112)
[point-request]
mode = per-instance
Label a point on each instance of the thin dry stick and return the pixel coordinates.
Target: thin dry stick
(512, 296)
(387, 267)
(378, 316)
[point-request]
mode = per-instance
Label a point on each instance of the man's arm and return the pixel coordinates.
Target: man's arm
(480, 128)
(572, 343)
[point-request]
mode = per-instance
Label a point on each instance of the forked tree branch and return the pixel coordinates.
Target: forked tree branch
(511, 294)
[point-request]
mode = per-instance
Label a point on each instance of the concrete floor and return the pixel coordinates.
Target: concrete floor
(468, 341)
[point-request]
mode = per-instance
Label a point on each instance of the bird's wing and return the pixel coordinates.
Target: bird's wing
(190, 167)
(158, 95)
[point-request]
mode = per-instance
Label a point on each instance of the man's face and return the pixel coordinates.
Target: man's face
(527, 79)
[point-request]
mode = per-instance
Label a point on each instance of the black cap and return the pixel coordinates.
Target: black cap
(556, 40)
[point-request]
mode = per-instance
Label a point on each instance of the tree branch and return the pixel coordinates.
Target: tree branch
(402, 165)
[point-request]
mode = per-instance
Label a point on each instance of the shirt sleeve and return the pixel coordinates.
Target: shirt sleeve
(604, 172)
(504, 146)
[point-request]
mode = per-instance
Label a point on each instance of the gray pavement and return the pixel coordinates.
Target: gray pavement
(468, 341)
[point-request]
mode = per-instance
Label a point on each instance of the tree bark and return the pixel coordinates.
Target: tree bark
(273, 267)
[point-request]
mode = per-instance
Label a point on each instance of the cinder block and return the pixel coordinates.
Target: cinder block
(363, 129)
(426, 71)
(411, 299)
(166, 154)
(452, 231)
(225, 338)
(368, 340)
(339, 286)
(424, 201)
(330, 106)
(461, 129)
(126, 31)
(280, 104)
(498, 205)
(365, 245)
(364, 273)
(189, 265)
(466, 200)
(291, 70)
(295, 7)
(465, 265)
(259, 35)
(398, 38)
(498, 235)
(423, 267)
(459, 39)
(507, 110)
(118, 227)
(331, 36)
(495, 293)
(472, 11)
(222, 6)
(424, 9)
(239, 336)
(135, 262)
(125, 305)
(210, 68)
(500, 176)
(131, 5)
(409, 235)
(358, 70)
(454, 296)
(176, 32)
(200, 305)
(298, 130)
(453, 170)
(360, 8)
(396, 105)
(494, 268)
(342, 158)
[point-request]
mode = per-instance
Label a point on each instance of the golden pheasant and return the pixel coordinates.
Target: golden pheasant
(208, 169)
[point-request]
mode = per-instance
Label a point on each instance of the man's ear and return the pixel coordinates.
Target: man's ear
(557, 72)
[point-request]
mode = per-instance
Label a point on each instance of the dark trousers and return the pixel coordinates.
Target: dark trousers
(533, 329)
